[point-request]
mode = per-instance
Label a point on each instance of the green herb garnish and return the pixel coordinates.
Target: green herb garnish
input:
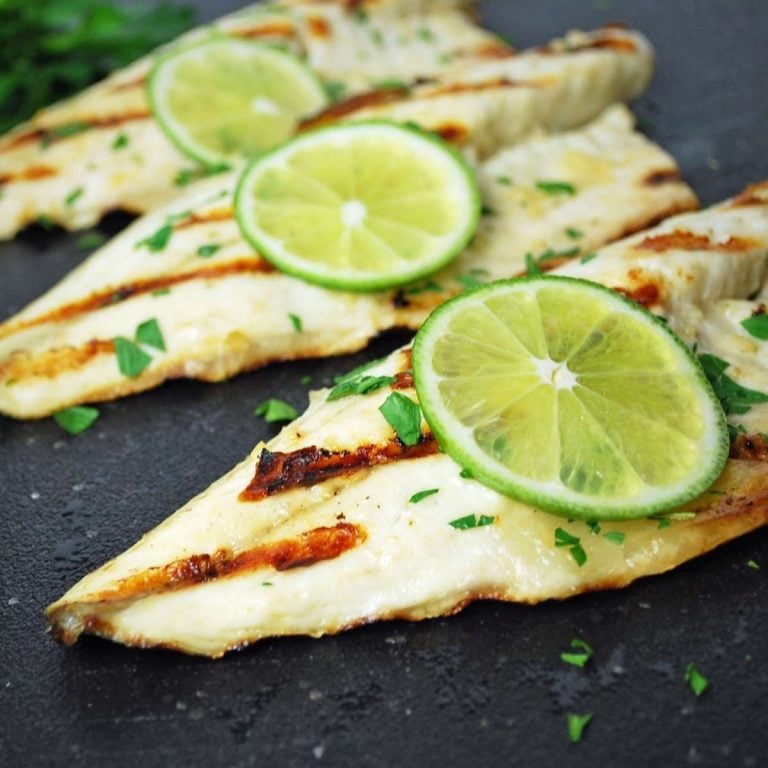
(615, 537)
(334, 90)
(71, 198)
(576, 726)
(76, 419)
(580, 656)
(157, 240)
(161, 292)
(404, 416)
(274, 410)
(91, 240)
(149, 333)
(733, 397)
(757, 326)
(565, 539)
(426, 35)
(360, 385)
(205, 251)
(298, 326)
(305, 380)
(695, 679)
(472, 521)
(532, 267)
(62, 132)
(573, 233)
(753, 565)
(120, 142)
(556, 187)
(504, 181)
(131, 358)
(587, 257)
(417, 497)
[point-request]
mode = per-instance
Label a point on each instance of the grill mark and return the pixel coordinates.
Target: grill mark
(129, 290)
(661, 177)
(688, 241)
(455, 133)
(305, 549)
(754, 194)
(318, 27)
(49, 133)
(33, 173)
(750, 448)
(451, 89)
(277, 472)
(349, 106)
(21, 364)
(276, 28)
(646, 294)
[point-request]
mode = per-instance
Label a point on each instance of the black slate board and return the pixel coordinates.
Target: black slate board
(483, 688)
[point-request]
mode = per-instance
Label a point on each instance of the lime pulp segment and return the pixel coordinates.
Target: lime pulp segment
(223, 99)
(360, 206)
(565, 395)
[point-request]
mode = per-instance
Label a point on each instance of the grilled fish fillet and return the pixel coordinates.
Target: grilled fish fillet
(314, 532)
(231, 312)
(72, 145)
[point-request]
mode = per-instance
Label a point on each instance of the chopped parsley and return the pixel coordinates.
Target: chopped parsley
(417, 497)
(753, 565)
(359, 385)
(556, 187)
(131, 358)
(565, 539)
(71, 198)
(390, 84)
(428, 287)
(120, 142)
(594, 527)
(576, 726)
(45, 221)
(187, 175)
(206, 251)
(149, 333)
(664, 522)
(472, 521)
(757, 326)
(62, 132)
(305, 380)
(473, 278)
(334, 89)
(504, 181)
(157, 240)
(426, 34)
(573, 233)
(580, 656)
(533, 263)
(274, 410)
(615, 537)
(587, 257)
(161, 292)
(695, 679)
(76, 419)
(404, 416)
(532, 267)
(298, 326)
(91, 240)
(733, 397)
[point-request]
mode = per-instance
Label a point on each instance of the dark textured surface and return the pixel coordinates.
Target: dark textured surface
(484, 688)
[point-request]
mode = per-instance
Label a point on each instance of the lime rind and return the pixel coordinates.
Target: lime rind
(636, 497)
(299, 79)
(395, 268)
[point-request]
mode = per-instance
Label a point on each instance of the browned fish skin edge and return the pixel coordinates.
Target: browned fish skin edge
(662, 176)
(277, 472)
(684, 240)
(750, 448)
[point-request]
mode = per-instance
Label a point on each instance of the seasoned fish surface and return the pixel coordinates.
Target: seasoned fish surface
(315, 531)
(101, 150)
(231, 311)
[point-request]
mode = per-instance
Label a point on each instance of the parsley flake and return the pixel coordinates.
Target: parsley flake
(305, 380)
(417, 497)
(149, 333)
(334, 90)
(573, 233)
(404, 416)
(472, 521)
(131, 358)
(62, 132)
(360, 385)
(580, 656)
(734, 397)
(594, 527)
(757, 326)
(205, 251)
(274, 410)
(565, 539)
(576, 726)
(504, 181)
(426, 35)
(532, 267)
(753, 565)
(615, 537)
(71, 198)
(556, 187)
(76, 419)
(157, 240)
(587, 257)
(120, 142)
(91, 240)
(298, 326)
(161, 292)
(695, 679)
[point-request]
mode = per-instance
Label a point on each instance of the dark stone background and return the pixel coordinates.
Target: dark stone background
(483, 688)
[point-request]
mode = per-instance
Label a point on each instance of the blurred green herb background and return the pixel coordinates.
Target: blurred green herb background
(50, 49)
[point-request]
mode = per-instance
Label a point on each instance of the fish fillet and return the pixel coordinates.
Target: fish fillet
(314, 532)
(104, 146)
(232, 311)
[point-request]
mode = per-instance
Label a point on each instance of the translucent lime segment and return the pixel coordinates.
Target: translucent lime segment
(360, 206)
(225, 98)
(564, 394)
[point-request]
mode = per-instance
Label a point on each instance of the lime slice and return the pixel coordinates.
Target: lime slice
(565, 395)
(360, 206)
(224, 98)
